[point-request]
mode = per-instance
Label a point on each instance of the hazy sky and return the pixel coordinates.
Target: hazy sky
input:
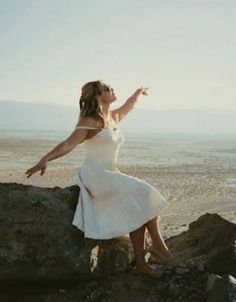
(185, 51)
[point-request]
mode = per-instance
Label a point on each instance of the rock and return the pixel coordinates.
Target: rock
(209, 234)
(201, 267)
(174, 288)
(92, 284)
(224, 290)
(223, 262)
(40, 249)
(38, 241)
(181, 270)
(211, 281)
(96, 295)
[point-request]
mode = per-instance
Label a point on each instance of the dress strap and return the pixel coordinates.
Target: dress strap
(86, 127)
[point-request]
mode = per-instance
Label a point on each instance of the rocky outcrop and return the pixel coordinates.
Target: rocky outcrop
(41, 250)
(207, 236)
(38, 241)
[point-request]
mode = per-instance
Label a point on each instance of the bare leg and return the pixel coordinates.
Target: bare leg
(137, 239)
(157, 240)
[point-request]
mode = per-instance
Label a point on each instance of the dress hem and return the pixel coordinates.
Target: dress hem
(115, 235)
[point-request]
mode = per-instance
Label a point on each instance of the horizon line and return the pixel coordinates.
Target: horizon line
(170, 108)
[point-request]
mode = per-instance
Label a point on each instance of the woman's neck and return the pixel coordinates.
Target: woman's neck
(105, 110)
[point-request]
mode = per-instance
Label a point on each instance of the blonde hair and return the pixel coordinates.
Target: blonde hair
(88, 103)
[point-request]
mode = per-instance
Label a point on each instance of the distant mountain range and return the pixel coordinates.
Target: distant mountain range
(17, 115)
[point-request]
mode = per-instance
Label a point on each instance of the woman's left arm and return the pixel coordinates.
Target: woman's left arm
(119, 113)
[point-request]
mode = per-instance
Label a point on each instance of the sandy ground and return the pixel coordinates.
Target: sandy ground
(191, 190)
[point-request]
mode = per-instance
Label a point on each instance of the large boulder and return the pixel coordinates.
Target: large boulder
(38, 241)
(207, 236)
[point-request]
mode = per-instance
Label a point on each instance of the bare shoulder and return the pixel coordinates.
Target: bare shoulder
(89, 121)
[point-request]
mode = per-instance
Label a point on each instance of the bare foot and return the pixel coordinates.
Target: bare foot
(161, 252)
(163, 256)
(148, 270)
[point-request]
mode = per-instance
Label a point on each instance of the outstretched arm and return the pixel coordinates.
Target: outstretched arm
(119, 113)
(77, 137)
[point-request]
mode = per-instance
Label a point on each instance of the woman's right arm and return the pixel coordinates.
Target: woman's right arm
(76, 137)
(67, 145)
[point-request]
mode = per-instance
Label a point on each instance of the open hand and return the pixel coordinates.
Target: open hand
(142, 90)
(40, 166)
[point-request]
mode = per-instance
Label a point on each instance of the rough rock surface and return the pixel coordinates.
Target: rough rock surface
(223, 262)
(208, 235)
(38, 240)
(224, 290)
(43, 257)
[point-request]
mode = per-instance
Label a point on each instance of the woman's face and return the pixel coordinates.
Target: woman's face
(108, 95)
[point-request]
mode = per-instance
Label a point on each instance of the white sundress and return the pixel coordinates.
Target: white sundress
(111, 203)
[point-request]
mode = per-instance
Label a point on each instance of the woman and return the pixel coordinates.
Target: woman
(110, 203)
